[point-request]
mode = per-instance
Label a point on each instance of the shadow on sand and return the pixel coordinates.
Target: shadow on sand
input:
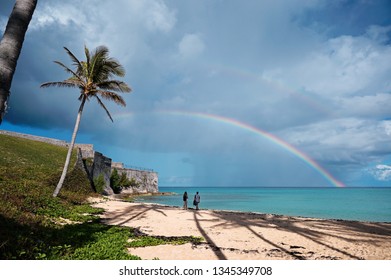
(315, 230)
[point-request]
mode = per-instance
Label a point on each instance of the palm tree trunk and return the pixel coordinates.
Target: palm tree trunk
(11, 46)
(71, 145)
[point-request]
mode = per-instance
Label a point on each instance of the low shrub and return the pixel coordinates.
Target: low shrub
(99, 183)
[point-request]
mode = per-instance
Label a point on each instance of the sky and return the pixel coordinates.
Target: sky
(224, 93)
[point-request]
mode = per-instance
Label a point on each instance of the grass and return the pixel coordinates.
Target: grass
(144, 241)
(34, 225)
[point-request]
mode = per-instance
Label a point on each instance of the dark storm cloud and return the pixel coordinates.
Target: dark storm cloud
(313, 73)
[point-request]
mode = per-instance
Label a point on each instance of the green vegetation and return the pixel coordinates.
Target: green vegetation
(144, 240)
(119, 182)
(36, 225)
(99, 183)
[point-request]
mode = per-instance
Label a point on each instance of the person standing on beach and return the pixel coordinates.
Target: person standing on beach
(185, 197)
(197, 200)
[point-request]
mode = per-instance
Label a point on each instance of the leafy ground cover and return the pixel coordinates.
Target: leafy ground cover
(35, 225)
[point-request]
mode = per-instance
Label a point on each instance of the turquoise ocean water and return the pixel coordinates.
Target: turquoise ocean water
(360, 204)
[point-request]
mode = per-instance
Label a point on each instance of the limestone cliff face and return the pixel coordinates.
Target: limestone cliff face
(147, 181)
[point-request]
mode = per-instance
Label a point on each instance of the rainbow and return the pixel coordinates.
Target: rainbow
(264, 134)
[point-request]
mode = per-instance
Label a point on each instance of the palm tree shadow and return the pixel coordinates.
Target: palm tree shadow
(315, 236)
(261, 221)
(311, 229)
(134, 214)
(231, 220)
(216, 250)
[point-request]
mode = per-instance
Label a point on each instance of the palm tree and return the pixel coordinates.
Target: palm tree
(93, 77)
(11, 46)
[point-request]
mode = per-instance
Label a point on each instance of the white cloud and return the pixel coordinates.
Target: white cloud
(346, 141)
(191, 45)
(381, 172)
(387, 127)
(159, 17)
(153, 13)
(372, 106)
(127, 22)
(53, 13)
(343, 66)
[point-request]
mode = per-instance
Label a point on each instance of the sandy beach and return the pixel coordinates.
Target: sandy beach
(249, 236)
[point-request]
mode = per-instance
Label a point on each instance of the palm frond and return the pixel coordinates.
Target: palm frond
(104, 67)
(104, 107)
(114, 67)
(101, 50)
(60, 84)
(76, 61)
(98, 59)
(67, 69)
(88, 59)
(94, 77)
(114, 85)
(112, 96)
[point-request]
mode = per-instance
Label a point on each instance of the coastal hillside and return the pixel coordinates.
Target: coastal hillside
(28, 166)
(98, 167)
(29, 171)
(33, 224)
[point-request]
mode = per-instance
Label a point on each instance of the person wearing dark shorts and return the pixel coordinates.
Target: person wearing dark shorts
(185, 197)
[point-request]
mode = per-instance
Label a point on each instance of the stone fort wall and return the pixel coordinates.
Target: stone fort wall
(147, 180)
(35, 138)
